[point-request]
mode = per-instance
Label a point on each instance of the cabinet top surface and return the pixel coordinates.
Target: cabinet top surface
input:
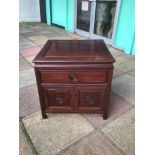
(74, 51)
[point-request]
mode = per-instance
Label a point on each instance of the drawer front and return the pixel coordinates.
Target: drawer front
(47, 76)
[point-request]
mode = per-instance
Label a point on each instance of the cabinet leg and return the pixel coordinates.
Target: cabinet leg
(44, 116)
(105, 115)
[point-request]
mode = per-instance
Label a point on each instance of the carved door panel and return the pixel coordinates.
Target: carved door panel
(75, 98)
(57, 98)
(91, 98)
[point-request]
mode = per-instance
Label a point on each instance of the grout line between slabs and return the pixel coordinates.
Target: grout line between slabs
(123, 73)
(123, 98)
(28, 40)
(28, 47)
(57, 33)
(26, 61)
(110, 120)
(74, 143)
(86, 136)
(94, 131)
(78, 141)
(35, 43)
(27, 86)
(31, 115)
(28, 137)
(103, 126)
(114, 77)
(113, 144)
(88, 121)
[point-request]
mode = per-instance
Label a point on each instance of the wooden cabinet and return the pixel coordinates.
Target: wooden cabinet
(74, 76)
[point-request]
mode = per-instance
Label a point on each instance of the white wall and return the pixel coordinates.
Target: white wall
(29, 11)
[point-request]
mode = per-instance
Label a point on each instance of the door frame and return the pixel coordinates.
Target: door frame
(90, 34)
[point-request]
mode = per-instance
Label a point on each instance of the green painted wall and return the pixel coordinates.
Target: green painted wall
(125, 32)
(59, 12)
(63, 13)
(70, 15)
(48, 12)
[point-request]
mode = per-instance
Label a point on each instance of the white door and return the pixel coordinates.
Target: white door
(97, 19)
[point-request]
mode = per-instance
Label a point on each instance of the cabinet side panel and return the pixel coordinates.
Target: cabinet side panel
(41, 98)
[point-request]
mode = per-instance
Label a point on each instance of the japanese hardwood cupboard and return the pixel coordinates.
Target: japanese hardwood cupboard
(74, 76)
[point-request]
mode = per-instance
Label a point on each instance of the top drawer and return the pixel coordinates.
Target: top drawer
(84, 76)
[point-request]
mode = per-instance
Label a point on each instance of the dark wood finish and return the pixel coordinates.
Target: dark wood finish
(74, 76)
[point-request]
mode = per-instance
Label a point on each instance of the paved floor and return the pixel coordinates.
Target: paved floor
(73, 134)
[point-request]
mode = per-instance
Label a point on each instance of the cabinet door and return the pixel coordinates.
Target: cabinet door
(92, 98)
(57, 99)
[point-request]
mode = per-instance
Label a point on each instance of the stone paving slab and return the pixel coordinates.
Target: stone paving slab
(95, 144)
(117, 72)
(128, 57)
(52, 35)
(38, 37)
(24, 146)
(117, 106)
(63, 38)
(40, 42)
(35, 33)
(127, 66)
(56, 29)
(121, 132)
(26, 77)
(124, 86)
(28, 52)
(21, 36)
(28, 100)
(59, 36)
(30, 59)
(119, 62)
(23, 39)
(27, 44)
(23, 64)
(23, 30)
(44, 30)
(63, 32)
(34, 27)
(74, 36)
(82, 38)
(54, 134)
(114, 51)
(132, 73)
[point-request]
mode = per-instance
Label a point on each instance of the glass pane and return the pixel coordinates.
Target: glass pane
(104, 18)
(83, 15)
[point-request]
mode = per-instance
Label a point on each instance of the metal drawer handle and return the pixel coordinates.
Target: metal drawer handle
(73, 77)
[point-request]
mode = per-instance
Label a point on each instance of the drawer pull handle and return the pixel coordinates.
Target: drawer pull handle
(60, 99)
(73, 77)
